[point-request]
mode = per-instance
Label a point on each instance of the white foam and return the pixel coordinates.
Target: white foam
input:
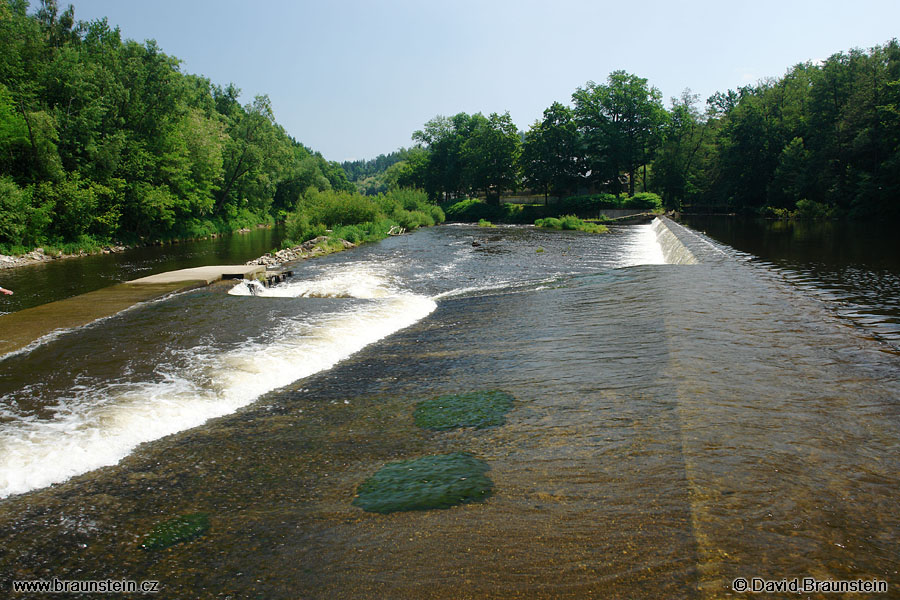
(353, 281)
(99, 427)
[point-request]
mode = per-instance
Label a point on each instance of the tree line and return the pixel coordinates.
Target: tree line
(822, 140)
(106, 139)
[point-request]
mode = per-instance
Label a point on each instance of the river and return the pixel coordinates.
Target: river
(676, 426)
(44, 282)
(853, 266)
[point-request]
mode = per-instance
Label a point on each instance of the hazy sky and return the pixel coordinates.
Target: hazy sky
(354, 79)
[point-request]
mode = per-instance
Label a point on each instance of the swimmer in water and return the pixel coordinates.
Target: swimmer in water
(5, 291)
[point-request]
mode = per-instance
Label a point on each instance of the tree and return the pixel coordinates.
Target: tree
(686, 137)
(444, 138)
(491, 154)
(621, 123)
(551, 153)
(257, 150)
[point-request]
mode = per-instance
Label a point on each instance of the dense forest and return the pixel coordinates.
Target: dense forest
(104, 139)
(824, 140)
(379, 174)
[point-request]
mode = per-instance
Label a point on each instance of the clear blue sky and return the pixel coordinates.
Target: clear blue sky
(353, 79)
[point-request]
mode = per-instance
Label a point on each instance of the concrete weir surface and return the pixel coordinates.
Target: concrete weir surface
(21, 328)
(204, 274)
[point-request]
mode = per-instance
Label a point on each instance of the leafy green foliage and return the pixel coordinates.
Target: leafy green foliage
(825, 133)
(621, 122)
(104, 139)
(470, 409)
(175, 531)
(491, 153)
(828, 133)
(469, 154)
(426, 483)
(570, 223)
(357, 218)
(643, 200)
(473, 210)
(551, 157)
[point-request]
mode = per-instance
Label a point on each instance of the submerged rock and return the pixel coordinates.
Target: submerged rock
(440, 481)
(471, 409)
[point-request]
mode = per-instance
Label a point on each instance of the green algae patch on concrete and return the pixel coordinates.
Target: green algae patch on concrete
(182, 528)
(471, 409)
(440, 481)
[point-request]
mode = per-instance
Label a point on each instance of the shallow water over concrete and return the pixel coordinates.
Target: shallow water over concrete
(675, 427)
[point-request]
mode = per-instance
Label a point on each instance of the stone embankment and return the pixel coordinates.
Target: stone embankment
(39, 256)
(315, 247)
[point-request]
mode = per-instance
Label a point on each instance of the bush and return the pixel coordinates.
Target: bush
(570, 223)
(412, 219)
(770, 212)
(14, 206)
(590, 203)
(338, 208)
(299, 228)
(436, 213)
(809, 209)
(805, 209)
(473, 210)
(643, 200)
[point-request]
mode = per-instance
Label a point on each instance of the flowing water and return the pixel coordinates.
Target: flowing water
(685, 415)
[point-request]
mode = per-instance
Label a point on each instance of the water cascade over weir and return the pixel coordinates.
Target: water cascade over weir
(97, 423)
(682, 417)
(674, 249)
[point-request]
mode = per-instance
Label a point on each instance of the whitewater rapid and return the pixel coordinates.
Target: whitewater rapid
(97, 426)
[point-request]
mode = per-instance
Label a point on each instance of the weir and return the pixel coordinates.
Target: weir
(674, 240)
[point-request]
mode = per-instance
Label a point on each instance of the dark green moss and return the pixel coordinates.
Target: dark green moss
(182, 528)
(438, 481)
(472, 409)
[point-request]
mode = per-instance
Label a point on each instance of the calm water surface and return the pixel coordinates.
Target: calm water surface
(854, 266)
(676, 426)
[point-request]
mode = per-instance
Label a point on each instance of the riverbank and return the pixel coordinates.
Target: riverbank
(318, 246)
(40, 255)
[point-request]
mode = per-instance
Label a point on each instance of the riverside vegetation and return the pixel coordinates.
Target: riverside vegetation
(823, 141)
(106, 140)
